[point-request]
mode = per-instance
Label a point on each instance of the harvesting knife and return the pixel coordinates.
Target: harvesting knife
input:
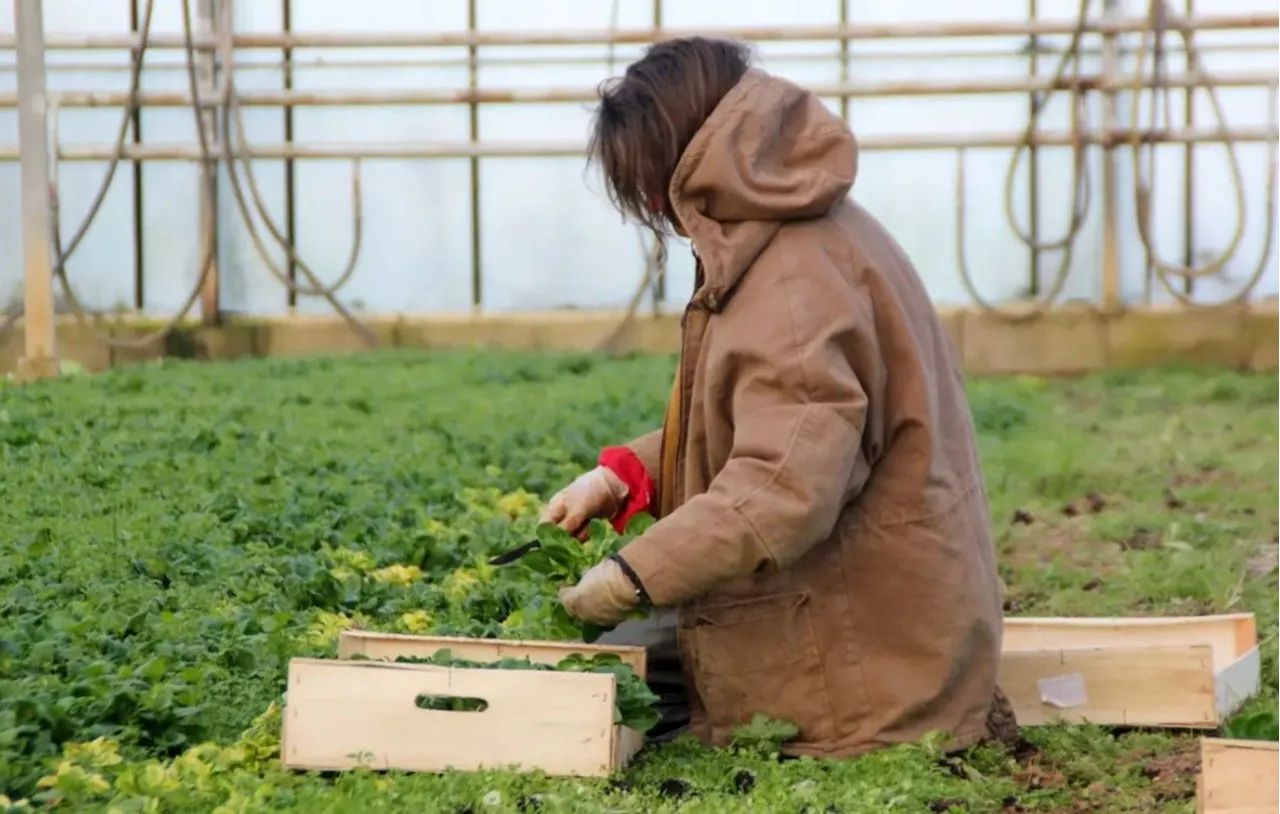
(516, 553)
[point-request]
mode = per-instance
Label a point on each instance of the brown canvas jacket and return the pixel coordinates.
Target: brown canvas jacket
(829, 544)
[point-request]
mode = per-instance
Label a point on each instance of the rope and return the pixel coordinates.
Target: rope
(61, 254)
(1160, 15)
(208, 162)
(1068, 74)
(234, 114)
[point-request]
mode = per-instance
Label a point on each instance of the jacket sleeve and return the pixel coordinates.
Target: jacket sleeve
(648, 448)
(636, 464)
(798, 413)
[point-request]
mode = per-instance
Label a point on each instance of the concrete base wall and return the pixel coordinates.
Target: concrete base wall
(1067, 340)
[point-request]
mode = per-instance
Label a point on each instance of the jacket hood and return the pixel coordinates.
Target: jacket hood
(770, 152)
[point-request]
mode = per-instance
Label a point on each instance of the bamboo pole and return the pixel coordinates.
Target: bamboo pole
(1188, 175)
(660, 275)
(473, 169)
(467, 96)
(1033, 162)
(844, 61)
(802, 33)
(40, 354)
(136, 171)
(1110, 189)
(572, 149)
(444, 61)
(290, 168)
(210, 289)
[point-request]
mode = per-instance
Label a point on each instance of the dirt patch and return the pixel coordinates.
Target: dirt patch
(1265, 561)
(1168, 777)
(1017, 604)
(1064, 537)
(1034, 543)
(1051, 538)
(1092, 503)
(1172, 775)
(1207, 477)
(1141, 540)
(1034, 777)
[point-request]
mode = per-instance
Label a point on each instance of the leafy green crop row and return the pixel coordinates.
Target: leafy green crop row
(175, 533)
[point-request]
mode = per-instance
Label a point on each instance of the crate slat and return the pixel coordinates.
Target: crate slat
(389, 646)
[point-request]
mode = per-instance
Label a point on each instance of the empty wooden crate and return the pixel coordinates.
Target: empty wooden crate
(1238, 777)
(1176, 672)
(344, 713)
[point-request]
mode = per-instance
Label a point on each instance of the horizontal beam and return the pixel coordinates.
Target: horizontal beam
(570, 149)
(1071, 339)
(323, 98)
(801, 33)
(258, 61)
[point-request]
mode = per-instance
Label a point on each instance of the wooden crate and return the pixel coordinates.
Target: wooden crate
(1177, 671)
(340, 714)
(1238, 777)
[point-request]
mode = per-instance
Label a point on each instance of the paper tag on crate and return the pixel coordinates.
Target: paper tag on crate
(1063, 692)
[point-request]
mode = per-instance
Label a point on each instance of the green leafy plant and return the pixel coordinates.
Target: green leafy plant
(763, 733)
(1255, 726)
(562, 560)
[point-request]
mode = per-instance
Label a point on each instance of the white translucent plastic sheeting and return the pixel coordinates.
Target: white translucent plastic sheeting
(549, 239)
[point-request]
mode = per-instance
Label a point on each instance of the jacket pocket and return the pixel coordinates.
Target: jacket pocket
(760, 655)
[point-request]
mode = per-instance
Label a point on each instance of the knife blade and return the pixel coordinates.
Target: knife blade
(511, 555)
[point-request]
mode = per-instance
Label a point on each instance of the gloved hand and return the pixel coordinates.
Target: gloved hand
(604, 595)
(595, 493)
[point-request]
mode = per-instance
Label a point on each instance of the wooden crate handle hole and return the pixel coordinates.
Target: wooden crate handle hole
(449, 703)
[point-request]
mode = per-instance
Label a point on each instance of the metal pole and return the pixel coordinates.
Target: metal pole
(210, 293)
(41, 353)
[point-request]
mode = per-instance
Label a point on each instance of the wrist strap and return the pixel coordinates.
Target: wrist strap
(641, 593)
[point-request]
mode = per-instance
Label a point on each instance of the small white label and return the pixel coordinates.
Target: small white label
(1063, 692)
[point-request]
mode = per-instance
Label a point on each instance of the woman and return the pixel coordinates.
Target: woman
(823, 532)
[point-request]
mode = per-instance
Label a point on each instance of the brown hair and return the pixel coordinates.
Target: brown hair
(648, 116)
